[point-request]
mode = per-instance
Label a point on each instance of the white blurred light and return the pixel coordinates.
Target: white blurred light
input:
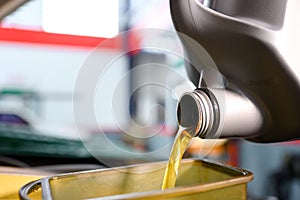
(99, 18)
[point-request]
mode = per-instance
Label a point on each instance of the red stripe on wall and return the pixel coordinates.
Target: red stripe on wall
(40, 37)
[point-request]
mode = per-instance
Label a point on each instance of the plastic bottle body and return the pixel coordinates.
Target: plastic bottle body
(256, 52)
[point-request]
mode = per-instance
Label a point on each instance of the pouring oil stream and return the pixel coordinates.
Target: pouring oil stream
(181, 143)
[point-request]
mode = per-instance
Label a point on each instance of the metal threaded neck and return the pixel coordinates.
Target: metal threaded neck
(195, 111)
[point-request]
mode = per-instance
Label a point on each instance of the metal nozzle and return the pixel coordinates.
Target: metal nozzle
(195, 111)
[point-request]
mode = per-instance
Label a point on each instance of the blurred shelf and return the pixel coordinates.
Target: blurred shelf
(26, 142)
(107, 148)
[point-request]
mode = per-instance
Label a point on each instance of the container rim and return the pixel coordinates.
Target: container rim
(242, 177)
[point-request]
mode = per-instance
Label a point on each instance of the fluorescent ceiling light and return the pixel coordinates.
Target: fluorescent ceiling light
(99, 18)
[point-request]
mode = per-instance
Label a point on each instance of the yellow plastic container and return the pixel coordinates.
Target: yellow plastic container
(197, 179)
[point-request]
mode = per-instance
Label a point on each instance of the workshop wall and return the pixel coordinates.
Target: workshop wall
(51, 70)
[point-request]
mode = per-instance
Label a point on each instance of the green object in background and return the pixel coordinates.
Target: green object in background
(24, 141)
(16, 91)
(28, 142)
(30, 98)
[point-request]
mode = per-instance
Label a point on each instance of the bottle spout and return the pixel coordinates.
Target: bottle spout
(196, 111)
(219, 113)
